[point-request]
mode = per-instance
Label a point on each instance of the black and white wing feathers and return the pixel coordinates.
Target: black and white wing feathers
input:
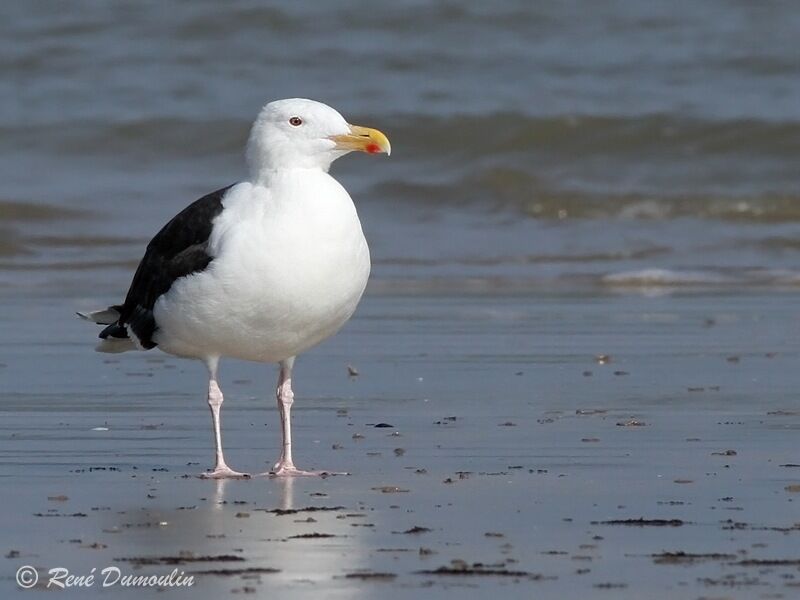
(178, 250)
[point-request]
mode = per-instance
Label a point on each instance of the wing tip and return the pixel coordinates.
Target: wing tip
(106, 316)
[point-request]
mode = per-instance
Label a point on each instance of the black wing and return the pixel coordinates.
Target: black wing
(179, 249)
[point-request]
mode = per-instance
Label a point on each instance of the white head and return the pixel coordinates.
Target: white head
(303, 134)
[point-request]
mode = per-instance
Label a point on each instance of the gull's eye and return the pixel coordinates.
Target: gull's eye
(295, 121)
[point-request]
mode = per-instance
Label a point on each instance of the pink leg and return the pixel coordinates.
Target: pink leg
(221, 470)
(285, 466)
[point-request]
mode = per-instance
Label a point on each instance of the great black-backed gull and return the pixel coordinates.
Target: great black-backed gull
(260, 270)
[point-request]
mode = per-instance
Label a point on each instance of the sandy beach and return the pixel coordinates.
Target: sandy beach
(651, 454)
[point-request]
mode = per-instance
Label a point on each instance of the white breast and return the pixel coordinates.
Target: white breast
(290, 265)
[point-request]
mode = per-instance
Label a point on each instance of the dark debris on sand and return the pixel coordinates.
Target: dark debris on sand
(681, 558)
(293, 511)
(778, 562)
(731, 525)
(414, 530)
(180, 559)
(56, 514)
(643, 522)
(371, 576)
(460, 568)
(231, 572)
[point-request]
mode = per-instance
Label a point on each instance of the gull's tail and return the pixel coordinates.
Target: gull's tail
(114, 338)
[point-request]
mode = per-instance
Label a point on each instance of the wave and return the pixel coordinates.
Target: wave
(577, 135)
(655, 167)
(167, 138)
(15, 211)
(457, 137)
(504, 189)
(672, 278)
(652, 167)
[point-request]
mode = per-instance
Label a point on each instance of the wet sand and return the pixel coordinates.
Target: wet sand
(600, 444)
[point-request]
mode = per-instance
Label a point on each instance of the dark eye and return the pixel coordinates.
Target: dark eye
(295, 121)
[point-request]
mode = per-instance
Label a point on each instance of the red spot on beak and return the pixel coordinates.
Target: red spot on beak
(373, 148)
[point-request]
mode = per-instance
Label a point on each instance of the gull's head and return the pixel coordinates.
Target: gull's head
(304, 134)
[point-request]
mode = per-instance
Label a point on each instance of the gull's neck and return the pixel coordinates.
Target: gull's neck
(268, 176)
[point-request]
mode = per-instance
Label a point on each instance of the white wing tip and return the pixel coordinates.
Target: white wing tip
(106, 316)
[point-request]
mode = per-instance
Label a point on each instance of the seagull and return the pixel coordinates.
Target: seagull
(261, 270)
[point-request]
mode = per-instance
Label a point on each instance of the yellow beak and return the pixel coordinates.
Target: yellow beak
(363, 139)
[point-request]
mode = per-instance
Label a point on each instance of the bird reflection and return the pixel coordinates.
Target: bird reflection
(287, 492)
(285, 484)
(219, 493)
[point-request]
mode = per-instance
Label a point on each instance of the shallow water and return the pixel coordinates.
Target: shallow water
(630, 134)
(567, 180)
